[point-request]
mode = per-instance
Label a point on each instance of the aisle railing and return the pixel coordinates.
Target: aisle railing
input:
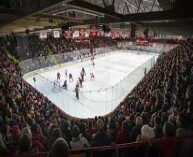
(162, 147)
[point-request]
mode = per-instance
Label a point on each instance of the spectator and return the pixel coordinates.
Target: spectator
(168, 146)
(158, 127)
(78, 142)
(147, 133)
(55, 134)
(37, 136)
(136, 130)
(124, 135)
(131, 121)
(91, 129)
(112, 130)
(169, 130)
(59, 149)
(82, 128)
(100, 138)
(25, 144)
(182, 123)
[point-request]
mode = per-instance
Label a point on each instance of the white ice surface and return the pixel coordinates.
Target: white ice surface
(98, 97)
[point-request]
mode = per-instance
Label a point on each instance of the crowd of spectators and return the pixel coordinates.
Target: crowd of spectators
(160, 106)
(30, 46)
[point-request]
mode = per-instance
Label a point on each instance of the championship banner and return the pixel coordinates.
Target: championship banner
(93, 34)
(117, 34)
(101, 33)
(112, 35)
(123, 35)
(75, 34)
(68, 34)
(93, 28)
(82, 33)
(93, 31)
(86, 34)
(56, 34)
(107, 34)
(43, 35)
(127, 34)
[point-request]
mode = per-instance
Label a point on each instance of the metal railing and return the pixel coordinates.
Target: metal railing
(164, 147)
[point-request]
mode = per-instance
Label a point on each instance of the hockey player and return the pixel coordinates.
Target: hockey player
(82, 76)
(71, 78)
(93, 63)
(77, 91)
(80, 82)
(83, 71)
(65, 84)
(92, 76)
(58, 76)
(66, 73)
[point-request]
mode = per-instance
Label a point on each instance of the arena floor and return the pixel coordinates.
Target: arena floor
(115, 76)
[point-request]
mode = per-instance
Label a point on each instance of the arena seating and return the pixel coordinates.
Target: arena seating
(30, 124)
(32, 46)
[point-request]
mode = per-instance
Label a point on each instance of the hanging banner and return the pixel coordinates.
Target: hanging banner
(93, 31)
(101, 34)
(43, 35)
(75, 34)
(107, 34)
(117, 34)
(56, 34)
(93, 34)
(112, 35)
(68, 34)
(86, 34)
(82, 33)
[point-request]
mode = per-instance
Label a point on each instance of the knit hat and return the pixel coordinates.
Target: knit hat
(15, 129)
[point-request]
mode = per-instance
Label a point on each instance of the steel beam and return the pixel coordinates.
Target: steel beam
(23, 12)
(149, 16)
(92, 7)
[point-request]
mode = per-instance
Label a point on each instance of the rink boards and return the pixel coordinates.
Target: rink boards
(116, 74)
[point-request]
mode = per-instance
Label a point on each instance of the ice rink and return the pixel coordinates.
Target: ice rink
(116, 74)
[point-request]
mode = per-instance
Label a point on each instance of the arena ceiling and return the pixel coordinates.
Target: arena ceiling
(19, 15)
